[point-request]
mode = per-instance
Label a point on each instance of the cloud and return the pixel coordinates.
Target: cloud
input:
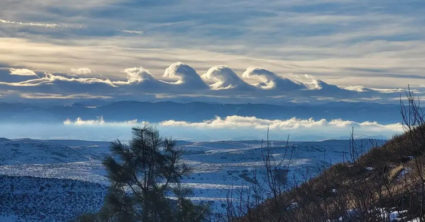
(138, 74)
(180, 81)
(13, 75)
(309, 81)
(184, 75)
(54, 96)
(60, 86)
(289, 124)
(81, 71)
(243, 127)
(33, 24)
(232, 127)
(140, 83)
(137, 32)
(317, 37)
(267, 80)
(101, 122)
(222, 77)
(118, 53)
(57, 79)
(22, 72)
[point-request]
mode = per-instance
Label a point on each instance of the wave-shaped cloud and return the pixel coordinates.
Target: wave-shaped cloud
(138, 75)
(184, 75)
(219, 83)
(267, 80)
(222, 77)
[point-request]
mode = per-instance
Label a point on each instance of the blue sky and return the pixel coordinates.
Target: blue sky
(373, 44)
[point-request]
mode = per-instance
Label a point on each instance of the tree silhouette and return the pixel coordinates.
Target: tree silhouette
(145, 181)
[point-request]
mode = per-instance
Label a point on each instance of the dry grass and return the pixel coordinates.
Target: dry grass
(384, 178)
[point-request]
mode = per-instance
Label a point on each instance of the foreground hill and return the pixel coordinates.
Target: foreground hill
(385, 184)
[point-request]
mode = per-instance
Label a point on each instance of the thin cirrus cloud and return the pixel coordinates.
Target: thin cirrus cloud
(56, 96)
(180, 80)
(30, 24)
(136, 32)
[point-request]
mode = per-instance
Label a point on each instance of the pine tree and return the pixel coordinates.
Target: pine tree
(144, 175)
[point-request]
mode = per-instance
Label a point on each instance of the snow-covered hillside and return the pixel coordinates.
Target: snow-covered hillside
(47, 199)
(60, 179)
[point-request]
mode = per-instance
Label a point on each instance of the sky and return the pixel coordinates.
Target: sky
(258, 51)
(373, 44)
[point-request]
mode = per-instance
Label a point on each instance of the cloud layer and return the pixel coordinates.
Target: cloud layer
(289, 124)
(218, 84)
(242, 127)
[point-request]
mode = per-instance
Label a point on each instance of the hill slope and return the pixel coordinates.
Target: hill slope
(385, 184)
